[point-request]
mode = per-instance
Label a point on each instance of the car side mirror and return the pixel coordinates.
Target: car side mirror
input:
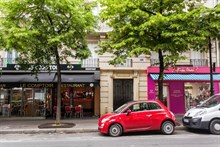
(128, 111)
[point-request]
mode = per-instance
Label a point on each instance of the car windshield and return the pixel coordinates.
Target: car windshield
(119, 109)
(211, 102)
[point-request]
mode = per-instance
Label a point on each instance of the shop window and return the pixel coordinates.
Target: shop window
(165, 93)
(83, 96)
(76, 96)
(4, 102)
(195, 93)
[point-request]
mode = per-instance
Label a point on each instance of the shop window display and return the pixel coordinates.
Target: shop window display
(4, 103)
(16, 102)
(84, 97)
(195, 94)
(78, 96)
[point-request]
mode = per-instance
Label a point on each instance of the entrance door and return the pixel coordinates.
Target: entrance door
(4, 102)
(122, 92)
(34, 102)
(16, 102)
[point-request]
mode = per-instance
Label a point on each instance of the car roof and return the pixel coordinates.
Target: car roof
(145, 101)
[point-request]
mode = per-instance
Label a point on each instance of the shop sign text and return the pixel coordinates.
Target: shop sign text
(185, 69)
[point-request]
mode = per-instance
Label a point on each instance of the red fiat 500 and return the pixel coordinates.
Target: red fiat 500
(138, 116)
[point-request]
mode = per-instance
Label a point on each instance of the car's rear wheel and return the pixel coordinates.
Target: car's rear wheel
(215, 126)
(167, 128)
(115, 130)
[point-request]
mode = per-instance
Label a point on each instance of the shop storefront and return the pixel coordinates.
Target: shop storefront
(25, 95)
(184, 87)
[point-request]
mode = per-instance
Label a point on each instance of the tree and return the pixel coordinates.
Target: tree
(207, 20)
(145, 26)
(46, 32)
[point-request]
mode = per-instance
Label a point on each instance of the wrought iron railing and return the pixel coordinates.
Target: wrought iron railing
(193, 62)
(5, 61)
(154, 62)
(128, 63)
(199, 62)
(91, 62)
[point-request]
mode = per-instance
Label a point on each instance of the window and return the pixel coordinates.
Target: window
(135, 107)
(139, 107)
(197, 55)
(153, 106)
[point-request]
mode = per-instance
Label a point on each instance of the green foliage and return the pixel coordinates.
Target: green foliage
(46, 32)
(38, 28)
(204, 24)
(168, 27)
(143, 26)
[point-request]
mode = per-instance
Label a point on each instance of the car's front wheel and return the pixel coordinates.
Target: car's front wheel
(115, 130)
(167, 128)
(215, 126)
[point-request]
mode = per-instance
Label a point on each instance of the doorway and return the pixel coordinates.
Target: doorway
(122, 92)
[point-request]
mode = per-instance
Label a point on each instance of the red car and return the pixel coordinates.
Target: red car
(138, 116)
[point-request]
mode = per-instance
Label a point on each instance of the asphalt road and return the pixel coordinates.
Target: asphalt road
(181, 138)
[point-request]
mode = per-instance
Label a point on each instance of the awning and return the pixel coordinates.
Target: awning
(77, 78)
(27, 78)
(187, 77)
(47, 78)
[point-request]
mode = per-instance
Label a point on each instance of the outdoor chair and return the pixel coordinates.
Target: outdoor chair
(68, 111)
(78, 111)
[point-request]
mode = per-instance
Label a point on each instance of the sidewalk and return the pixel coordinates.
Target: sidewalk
(30, 125)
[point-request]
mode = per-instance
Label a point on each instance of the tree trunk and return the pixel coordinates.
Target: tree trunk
(58, 113)
(161, 74)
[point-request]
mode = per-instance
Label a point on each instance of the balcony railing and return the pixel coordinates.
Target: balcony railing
(128, 63)
(199, 62)
(154, 62)
(194, 62)
(91, 62)
(5, 61)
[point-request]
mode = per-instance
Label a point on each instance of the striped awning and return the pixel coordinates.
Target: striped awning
(187, 77)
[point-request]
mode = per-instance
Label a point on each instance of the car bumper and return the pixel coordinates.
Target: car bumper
(103, 129)
(195, 123)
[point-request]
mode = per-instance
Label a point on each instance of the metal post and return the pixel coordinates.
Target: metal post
(211, 71)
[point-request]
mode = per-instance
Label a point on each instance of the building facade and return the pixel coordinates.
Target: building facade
(26, 95)
(101, 88)
(184, 86)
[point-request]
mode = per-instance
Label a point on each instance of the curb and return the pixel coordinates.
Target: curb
(60, 131)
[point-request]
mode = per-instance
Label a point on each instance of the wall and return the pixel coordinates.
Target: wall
(97, 101)
(106, 86)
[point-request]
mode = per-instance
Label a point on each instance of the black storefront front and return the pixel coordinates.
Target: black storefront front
(25, 95)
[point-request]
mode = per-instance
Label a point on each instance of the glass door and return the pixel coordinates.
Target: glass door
(39, 101)
(28, 102)
(16, 102)
(4, 103)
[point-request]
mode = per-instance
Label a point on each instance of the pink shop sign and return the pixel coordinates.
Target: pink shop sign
(183, 69)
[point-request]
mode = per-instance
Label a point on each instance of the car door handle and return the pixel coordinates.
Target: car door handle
(149, 115)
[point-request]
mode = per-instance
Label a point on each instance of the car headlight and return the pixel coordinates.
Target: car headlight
(104, 120)
(200, 113)
(102, 125)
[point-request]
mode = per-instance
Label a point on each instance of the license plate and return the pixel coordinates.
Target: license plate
(186, 120)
